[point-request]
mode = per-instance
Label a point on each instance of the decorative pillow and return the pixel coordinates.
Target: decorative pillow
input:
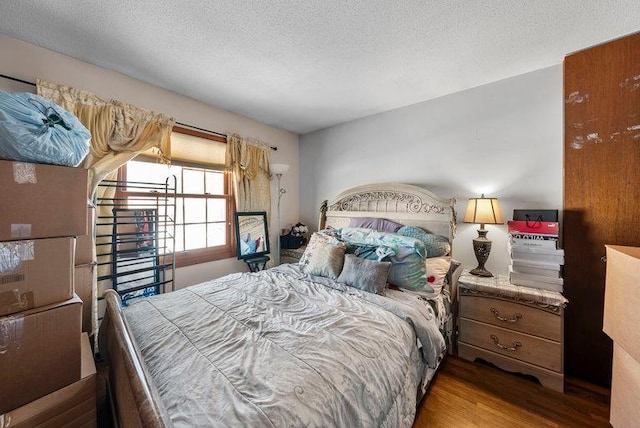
(370, 252)
(407, 261)
(376, 238)
(375, 224)
(317, 239)
(435, 245)
(437, 269)
(323, 257)
(366, 275)
(408, 271)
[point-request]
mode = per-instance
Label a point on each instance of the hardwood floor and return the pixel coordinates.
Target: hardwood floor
(465, 394)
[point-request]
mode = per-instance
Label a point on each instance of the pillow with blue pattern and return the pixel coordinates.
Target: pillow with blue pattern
(436, 245)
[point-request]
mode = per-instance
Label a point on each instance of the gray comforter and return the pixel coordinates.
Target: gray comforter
(285, 349)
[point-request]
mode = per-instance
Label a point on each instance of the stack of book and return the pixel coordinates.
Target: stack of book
(535, 256)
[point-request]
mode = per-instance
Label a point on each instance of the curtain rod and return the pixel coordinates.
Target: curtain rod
(15, 79)
(211, 132)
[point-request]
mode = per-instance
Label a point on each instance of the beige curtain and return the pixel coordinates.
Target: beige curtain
(249, 162)
(119, 132)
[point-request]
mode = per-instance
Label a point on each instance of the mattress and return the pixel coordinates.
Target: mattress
(283, 348)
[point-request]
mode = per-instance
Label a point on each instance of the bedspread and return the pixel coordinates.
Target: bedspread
(285, 349)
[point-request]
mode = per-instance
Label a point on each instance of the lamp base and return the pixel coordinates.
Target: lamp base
(482, 248)
(481, 271)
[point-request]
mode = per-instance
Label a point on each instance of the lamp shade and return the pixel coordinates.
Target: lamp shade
(278, 168)
(483, 211)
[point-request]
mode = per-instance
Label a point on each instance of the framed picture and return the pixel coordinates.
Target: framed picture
(252, 234)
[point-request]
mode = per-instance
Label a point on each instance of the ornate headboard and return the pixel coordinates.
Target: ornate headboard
(403, 203)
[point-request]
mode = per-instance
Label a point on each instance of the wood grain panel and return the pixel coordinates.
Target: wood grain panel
(601, 189)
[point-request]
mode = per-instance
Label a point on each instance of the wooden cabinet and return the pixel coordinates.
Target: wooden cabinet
(601, 191)
(515, 328)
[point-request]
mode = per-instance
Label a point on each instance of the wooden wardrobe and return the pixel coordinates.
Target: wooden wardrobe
(601, 190)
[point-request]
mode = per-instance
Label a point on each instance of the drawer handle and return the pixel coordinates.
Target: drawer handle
(496, 341)
(515, 318)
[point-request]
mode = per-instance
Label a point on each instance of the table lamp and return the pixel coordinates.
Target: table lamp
(482, 211)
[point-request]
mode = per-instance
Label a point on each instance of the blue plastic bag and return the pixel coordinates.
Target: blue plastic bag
(34, 129)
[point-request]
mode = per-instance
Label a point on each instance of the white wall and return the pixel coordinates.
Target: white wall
(503, 139)
(28, 62)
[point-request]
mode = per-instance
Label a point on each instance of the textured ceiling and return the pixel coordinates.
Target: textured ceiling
(306, 65)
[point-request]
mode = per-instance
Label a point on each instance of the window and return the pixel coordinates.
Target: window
(204, 195)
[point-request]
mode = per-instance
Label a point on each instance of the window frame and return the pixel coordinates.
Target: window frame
(200, 255)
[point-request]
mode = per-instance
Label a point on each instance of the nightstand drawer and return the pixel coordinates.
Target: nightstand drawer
(535, 350)
(512, 316)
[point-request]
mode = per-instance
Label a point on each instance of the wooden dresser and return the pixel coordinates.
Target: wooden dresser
(518, 329)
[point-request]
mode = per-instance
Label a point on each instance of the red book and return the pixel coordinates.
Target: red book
(539, 227)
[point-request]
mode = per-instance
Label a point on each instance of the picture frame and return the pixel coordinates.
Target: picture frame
(252, 234)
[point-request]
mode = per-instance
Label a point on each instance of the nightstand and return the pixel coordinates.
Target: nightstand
(291, 255)
(518, 329)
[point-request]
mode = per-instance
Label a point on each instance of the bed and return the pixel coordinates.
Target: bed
(284, 347)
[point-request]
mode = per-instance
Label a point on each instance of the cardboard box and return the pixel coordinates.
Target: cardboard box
(625, 389)
(42, 201)
(84, 243)
(622, 298)
(84, 250)
(74, 405)
(34, 273)
(39, 352)
(83, 285)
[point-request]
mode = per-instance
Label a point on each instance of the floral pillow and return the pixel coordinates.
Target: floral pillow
(436, 245)
(324, 256)
(376, 238)
(316, 241)
(370, 252)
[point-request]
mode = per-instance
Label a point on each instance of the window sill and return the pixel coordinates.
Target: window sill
(204, 255)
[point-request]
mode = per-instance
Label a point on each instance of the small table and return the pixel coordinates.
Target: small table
(257, 263)
(519, 329)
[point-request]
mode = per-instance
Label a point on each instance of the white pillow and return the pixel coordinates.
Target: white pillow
(437, 269)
